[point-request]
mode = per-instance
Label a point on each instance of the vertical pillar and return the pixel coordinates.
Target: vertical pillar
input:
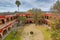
(5, 20)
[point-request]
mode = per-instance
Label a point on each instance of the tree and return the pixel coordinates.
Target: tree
(56, 6)
(35, 10)
(21, 20)
(55, 24)
(55, 33)
(18, 4)
(37, 14)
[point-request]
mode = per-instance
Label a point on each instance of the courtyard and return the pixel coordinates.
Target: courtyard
(30, 20)
(31, 32)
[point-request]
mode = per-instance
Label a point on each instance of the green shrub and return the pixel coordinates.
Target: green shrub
(55, 35)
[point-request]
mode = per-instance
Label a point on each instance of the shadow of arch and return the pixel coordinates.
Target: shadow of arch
(4, 32)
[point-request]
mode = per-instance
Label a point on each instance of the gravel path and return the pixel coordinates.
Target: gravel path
(36, 35)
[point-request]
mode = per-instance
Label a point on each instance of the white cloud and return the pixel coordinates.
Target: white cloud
(45, 5)
(26, 4)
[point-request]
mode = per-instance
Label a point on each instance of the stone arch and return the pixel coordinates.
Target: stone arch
(4, 32)
(40, 22)
(29, 21)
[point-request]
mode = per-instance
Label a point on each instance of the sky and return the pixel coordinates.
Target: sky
(10, 6)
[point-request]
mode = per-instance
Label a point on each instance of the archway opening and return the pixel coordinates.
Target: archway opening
(7, 19)
(11, 18)
(3, 22)
(9, 28)
(39, 22)
(0, 36)
(30, 22)
(4, 32)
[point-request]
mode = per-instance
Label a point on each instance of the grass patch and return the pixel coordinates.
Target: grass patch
(10, 36)
(16, 37)
(45, 32)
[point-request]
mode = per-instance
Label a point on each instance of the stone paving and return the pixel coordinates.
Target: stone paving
(36, 35)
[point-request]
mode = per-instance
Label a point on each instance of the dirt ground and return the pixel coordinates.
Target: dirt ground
(30, 32)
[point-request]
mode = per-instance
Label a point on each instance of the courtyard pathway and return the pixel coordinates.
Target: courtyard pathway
(30, 32)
